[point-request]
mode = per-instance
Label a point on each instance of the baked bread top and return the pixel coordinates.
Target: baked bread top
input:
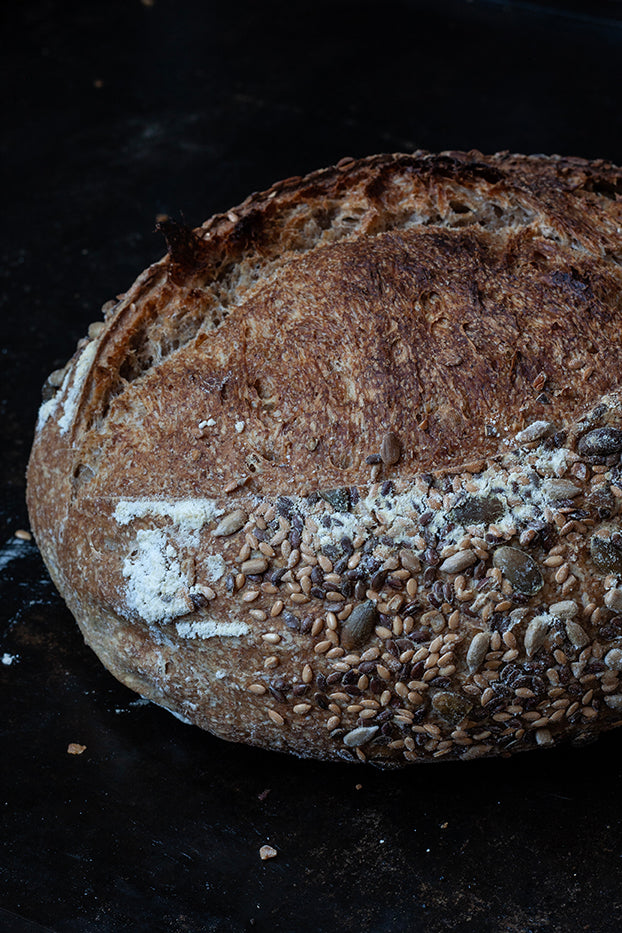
(395, 320)
(452, 300)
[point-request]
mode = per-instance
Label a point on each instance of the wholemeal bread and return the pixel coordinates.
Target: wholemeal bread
(341, 476)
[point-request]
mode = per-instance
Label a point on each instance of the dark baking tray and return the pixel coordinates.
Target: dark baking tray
(116, 112)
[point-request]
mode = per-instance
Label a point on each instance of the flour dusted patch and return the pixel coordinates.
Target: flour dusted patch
(158, 588)
(207, 628)
(190, 514)
(45, 411)
(156, 581)
(214, 566)
(71, 395)
(342, 524)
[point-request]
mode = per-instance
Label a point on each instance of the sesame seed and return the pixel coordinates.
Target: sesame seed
(258, 614)
(334, 653)
(250, 596)
(322, 647)
(276, 718)
(272, 638)
(554, 561)
(258, 689)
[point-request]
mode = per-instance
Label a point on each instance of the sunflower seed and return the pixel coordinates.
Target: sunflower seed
(477, 651)
(231, 523)
(535, 635)
(360, 736)
(566, 609)
(560, 489)
(613, 600)
(534, 432)
(576, 634)
(459, 561)
(613, 659)
(255, 565)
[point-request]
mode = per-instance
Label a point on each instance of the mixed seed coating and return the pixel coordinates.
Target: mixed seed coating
(447, 615)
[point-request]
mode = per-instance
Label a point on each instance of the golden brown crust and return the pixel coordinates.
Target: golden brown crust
(380, 333)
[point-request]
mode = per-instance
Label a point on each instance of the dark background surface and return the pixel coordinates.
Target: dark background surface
(116, 112)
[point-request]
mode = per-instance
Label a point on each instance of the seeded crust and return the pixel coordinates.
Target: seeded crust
(341, 474)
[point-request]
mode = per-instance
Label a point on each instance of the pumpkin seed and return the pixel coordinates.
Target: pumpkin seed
(600, 443)
(359, 625)
(452, 707)
(338, 498)
(477, 511)
(520, 569)
(606, 554)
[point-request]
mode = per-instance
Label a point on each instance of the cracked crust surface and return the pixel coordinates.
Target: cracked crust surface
(335, 360)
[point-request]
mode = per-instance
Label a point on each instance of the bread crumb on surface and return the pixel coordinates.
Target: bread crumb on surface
(75, 749)
(267, 852)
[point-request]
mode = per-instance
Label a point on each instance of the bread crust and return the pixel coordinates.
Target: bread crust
(340, 475)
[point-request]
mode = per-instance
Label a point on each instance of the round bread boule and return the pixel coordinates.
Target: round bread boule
(341, 476)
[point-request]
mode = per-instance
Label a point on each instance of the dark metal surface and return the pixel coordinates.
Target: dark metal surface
(119, 111)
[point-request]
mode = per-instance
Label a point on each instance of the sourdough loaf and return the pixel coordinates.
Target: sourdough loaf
(340, 475)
